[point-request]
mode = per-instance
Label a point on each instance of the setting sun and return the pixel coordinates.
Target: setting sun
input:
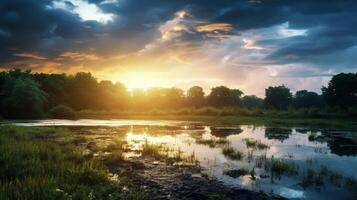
(142, 80)
(178, 100)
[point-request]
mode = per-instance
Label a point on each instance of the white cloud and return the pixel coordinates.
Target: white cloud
(285, 31)
(250, 44)
(110, 2)
(85, 10)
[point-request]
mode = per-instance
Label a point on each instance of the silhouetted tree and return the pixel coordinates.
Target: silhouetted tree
(25, 94)
(252, 102)
(196, 96)
(341, 90)
(174, 98)
(139, 100)
(83, 91)
(55, 86)
(306, 99)
(165, 97)
(223, 96)
(112, 96)
(278, 97)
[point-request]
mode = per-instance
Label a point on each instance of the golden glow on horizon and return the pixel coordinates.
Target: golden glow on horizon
(142, 80)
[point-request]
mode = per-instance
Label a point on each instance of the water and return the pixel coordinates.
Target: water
(324, 162)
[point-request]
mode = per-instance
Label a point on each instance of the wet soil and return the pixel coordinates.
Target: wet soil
(162, 182)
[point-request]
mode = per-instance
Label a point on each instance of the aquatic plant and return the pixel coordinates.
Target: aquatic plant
(152, 150)
(315, 178)
(231, 153)
(117, 144)
(281, 166)
(255, 144)
(212, 142)
(311, 177)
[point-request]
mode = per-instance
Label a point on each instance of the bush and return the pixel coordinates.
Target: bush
(62, 112)
(207, 111)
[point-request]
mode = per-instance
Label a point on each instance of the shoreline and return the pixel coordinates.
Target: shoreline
(329, 123)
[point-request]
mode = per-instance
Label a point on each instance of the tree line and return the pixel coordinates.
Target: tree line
(24, 94)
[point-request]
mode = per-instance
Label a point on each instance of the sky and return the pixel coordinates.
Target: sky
(244, 44)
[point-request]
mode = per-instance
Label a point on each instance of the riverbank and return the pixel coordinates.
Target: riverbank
(334, 123)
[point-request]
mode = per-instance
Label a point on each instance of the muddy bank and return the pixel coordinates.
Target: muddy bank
(163, 182)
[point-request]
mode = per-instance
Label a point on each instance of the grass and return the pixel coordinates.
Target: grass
(37, 163)
(170, 156)
(279, 167)
(152, 150)
(255, 144)
(114, 158)
(212, 142)
(318, 178)
(231, 153)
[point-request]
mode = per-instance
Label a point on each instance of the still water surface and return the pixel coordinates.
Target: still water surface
(324, 162)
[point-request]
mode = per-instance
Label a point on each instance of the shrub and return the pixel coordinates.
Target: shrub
(62, 112)
(207, 111)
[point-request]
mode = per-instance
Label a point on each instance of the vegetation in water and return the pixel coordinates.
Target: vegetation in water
(38, 164)
(169, 155)
(255, 144)
(317, 178)
(212, 142)
(279, 167)
(232, 153)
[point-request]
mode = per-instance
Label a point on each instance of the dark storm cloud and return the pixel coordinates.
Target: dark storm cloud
(331, 29)
(30, 26)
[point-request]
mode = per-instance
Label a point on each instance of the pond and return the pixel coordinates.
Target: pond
(296, 163)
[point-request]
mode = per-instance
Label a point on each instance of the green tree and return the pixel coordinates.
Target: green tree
(223, 96)
(252, 101)
(196, 96)
(23, 98)
(55, 86)
(278, 97)
(112, 96)
(307, 99)
(174, 97)
(83, 92)
(341, 90)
